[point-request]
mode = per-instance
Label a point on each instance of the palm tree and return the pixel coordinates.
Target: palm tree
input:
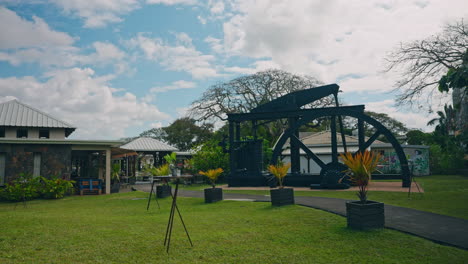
(446, 121)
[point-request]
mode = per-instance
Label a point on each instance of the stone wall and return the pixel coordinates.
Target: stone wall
(55, 159)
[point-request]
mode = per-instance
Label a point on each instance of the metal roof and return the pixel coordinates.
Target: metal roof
(110, 143)
(148, 144)
(324, 139)
(17, 114)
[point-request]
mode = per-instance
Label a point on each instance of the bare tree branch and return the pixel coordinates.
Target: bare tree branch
(424, 62)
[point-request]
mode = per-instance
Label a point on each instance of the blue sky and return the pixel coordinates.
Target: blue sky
(115, 68)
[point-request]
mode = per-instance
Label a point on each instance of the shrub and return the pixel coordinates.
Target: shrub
(26, 187)
(55, 188)
(212, 175)
(279, 171)
(23, 188)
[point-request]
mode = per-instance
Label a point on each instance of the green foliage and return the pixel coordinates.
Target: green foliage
(23, 188)
(46, 232)
(115, 174)
(26, 187)
(184, 133)
(55, 188)
(210, 155)
(446, 161)
(417, 137)
(170, 158)
(162, 170)
(456, 78)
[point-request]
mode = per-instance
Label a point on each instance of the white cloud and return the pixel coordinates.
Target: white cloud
(23, 41)
(19, 33)
(156, 125)
(83, 99)
(172, 2)
(217, 7)
(332, 39)
(181, 57)
(174, 86)
(215, 44)
(182, 111)
(202, 20)
(98, 13)
(412, 119)
(107, 51)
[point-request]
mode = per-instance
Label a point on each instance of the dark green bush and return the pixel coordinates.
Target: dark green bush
(55, 188)
(26, 187)
(23, 188)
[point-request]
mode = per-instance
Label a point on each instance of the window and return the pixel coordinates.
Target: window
(2, 168)
(43, 133)
(21, 133)
(2, 132)
(37, 165)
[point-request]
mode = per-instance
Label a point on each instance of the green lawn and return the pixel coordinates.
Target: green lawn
(444, 194)
(118, 229)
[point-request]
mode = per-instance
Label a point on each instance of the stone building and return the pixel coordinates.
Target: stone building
(36, 143)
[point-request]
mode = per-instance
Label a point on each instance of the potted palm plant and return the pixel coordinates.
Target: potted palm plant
(115, 178)
(163, 190)
(363, 214)
(281, 196)
(171, 160)
(213, 194)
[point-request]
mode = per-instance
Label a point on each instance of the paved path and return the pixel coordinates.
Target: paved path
(439, 228)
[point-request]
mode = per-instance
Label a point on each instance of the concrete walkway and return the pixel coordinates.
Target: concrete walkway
(438, 228)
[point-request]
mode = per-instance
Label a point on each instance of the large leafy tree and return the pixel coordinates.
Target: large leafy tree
(242, 94)
(184, 133)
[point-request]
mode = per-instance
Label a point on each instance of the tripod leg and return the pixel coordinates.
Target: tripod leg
(171, 217)
(185, 228)
(156, 198)
(149, 199)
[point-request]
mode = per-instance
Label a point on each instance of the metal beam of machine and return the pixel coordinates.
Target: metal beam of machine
(308, 152)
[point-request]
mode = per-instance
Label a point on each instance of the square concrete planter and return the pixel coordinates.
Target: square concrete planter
(365, 216)
(280, 197)
(213, 195)
(115, 187)
(163, 191)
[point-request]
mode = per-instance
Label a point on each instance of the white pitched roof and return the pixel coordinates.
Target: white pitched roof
(324, 137)
(17, 114)
(148, 144)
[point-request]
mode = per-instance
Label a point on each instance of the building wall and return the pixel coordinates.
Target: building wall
(33, 132)
(418, 159)
(55, 159)
(57, 133)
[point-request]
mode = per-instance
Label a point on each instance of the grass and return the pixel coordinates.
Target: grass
(444, 194)
(118, 229)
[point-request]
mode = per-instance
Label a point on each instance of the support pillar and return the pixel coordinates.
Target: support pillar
(334, 140)
(232, 163)
(361, 137)
(108, 171)
(295, 151)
